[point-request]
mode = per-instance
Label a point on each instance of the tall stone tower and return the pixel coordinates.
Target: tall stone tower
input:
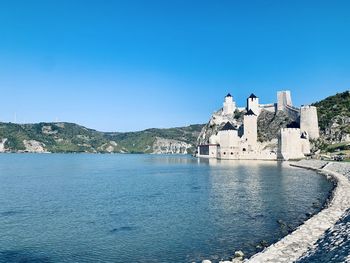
(284, 98)
(309, 121)
(250, 123)
(253, 104)
(290, 144)
(229, 105)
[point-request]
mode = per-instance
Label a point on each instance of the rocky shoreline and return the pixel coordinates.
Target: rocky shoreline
(305, 238)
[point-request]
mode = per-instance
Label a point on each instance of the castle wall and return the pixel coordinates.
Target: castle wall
(214, 139)
(228, 138)
(208, 151)
(243, 153)
(213, 150)
(292, 112)
(251, 130)
(305, 146)
(290, 144)
(284, 98)
(269, 107)
(309, 121)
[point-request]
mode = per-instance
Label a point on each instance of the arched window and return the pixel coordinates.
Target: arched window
(244, 149)
(231, 153)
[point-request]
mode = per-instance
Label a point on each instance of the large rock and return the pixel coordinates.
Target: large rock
(239, 254)
(34, 146)
(162, 145)
(2, 145)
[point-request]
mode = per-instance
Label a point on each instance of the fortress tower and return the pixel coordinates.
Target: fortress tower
(309, 121)
(229, 105)
(290, 144)
(251, 128)
(228, 136)
(253, 104)
(283, 99)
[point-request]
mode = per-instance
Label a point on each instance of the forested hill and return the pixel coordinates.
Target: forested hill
(334, 117)
(70, 137)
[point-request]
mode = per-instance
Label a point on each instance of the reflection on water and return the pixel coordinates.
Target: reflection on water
(146, 208)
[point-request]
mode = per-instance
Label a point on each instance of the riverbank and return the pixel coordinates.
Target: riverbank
(294, 246)
(323, 237)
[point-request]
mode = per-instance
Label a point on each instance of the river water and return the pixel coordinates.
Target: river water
(147, 208)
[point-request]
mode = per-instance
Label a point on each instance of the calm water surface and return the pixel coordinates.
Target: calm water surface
(146, 208)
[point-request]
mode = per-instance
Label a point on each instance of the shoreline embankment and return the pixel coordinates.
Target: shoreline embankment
(293, 246)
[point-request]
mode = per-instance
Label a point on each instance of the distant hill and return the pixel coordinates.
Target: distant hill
(62, 137)
(69, 137)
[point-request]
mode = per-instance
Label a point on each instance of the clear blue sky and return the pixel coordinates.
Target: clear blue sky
(129, 65)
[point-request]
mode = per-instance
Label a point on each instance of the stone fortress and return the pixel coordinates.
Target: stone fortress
(238, 139)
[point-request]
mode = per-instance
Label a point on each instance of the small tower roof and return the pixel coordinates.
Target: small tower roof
(228, 126)
(252, 96)
(250, 112)
(303, 135)
(228, 95)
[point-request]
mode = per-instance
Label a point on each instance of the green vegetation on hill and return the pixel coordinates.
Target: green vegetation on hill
(334, 121)
(70, 137)
(332, 108)
(140, 142)
(333, 113)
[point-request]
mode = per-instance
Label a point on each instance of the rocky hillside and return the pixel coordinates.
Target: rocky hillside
(269, 124)
(70, 137)
(334, 117)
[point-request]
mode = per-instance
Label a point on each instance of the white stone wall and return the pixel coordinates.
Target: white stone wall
(228, 138)
(213, 151)
(284, 98)
(214, 139)
(269, 107)
(238, 154)
(251, 130)
(309, 121)
(290, 145)
(305, 146)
